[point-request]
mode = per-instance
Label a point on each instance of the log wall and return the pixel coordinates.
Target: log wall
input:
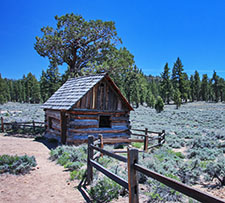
(80, 124)
(83, 118)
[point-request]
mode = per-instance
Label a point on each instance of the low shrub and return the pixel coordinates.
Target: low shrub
(16, 164)
(104, 190)
(216, 170)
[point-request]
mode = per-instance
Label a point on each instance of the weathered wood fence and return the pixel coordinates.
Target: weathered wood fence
(15, 125)
(147, 138)
(133, 169)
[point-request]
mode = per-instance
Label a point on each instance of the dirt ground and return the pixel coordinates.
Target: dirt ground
(48, 182)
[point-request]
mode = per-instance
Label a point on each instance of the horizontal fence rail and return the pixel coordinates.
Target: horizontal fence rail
(31, 124)
(109, 174)
(184, 189)
(133, 169)
(115, 156)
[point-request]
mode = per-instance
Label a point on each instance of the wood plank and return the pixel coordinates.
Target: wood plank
(111, 154)
(88, 117)
(184, 189)
(90, 131)
(85, 126)
(97, 112)
(109, 174)
(132, 175)
(83, 122)
(63, 127)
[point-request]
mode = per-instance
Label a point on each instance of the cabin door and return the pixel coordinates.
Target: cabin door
(63, 127)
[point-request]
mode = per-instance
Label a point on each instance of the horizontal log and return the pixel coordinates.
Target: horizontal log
(119, 119)
(76, 136)
(83, 122)
(111, 154)
(109, 174)
(99, 130)
(119, 125)
(184, 189)
(97, 112)
(84, 126)
(89, 117)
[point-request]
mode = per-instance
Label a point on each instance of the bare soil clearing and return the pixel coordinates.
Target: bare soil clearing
(49, 182)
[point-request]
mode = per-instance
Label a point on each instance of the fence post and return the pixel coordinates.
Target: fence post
(164, 133)
(132, 175)
(90, 156)
(101, 145)
(146, 140)
(2, 124)
(33, 125)
(159, 138)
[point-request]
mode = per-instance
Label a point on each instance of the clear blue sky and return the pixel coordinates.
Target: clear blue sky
(155, 32)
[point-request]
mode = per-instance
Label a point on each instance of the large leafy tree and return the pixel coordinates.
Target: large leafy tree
(76, 41)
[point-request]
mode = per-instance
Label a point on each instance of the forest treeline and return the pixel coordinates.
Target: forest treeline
(171, 86)
(91, 47)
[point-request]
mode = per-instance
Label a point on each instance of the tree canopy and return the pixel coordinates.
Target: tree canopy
(76, 41)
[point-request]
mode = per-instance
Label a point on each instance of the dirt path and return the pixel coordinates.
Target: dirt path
(49, 182)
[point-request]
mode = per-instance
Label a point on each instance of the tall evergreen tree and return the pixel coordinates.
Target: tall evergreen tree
(205, 88)
(197, 85)
(178, 77)
(3, 98)
(166, 89)
(50, 81)
(32, 89)
(221, 86)
(215, 85)
(192, 95)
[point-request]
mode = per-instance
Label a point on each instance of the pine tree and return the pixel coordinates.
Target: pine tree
(192, 95)
(215, 85)
(186, 88)
(3, 98)
(150, 99)
(197, 85)
(178, 77)
(50, 81)
(32, 89)
(177, 98)
(166, 85)
(205, 88)
(159, 105)
(221, 86)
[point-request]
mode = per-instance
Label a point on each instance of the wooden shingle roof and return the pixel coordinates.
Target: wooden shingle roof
(71, 92)
(74, 89)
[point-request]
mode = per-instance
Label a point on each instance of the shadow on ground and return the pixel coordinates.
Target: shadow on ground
(50, 144)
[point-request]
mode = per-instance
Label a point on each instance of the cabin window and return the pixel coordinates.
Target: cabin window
(104, 122)
(50, 122)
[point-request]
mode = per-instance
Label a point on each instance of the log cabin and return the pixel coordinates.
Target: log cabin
(87, 105)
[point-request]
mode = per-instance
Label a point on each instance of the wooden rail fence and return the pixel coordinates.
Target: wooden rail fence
(15, 125)
(146, 138)
(133, 168)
